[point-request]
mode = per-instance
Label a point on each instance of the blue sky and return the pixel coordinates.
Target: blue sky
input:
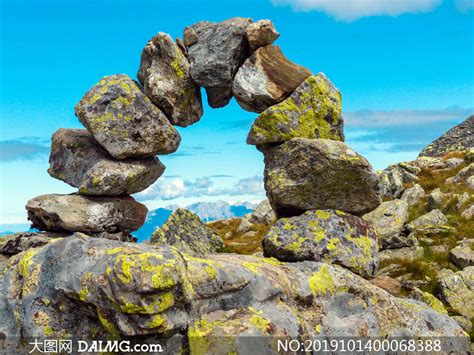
(405, 69)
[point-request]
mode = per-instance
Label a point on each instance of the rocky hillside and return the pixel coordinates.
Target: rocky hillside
(337, 250)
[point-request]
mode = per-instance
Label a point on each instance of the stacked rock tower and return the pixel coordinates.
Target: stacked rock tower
(128, 123)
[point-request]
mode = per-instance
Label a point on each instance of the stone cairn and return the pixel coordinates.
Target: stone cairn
(299, 130)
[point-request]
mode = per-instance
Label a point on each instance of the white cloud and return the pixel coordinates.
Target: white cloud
(350, 10)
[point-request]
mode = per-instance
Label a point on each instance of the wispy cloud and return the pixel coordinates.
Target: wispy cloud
(170, 189)
(24, 148)
(464, 5)
(350, 10)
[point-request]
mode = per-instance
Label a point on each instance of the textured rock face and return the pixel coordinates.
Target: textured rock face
(463, 255)
(18, 242)
(304, 174)
(434, 222)
(124, 121)
(267, 78)
(458, 138)
(262, 214)
(457, 291)
(111, 289)
(186, 231)
(463, 176)
(261, 33)
(215, 53)
(314, 110)
(393, 178)
(164, 74)
(324, 235)
(77, 159)
(388, 220)
(406, 253)
(413, 195)
(78, 213)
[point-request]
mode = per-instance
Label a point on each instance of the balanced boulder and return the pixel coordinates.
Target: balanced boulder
(77, 159)
(88, 214)
(325, 235)
(261, 33)
(164, 74)
(124, 121)
(305, 174)
(266, 78)
(215, 53)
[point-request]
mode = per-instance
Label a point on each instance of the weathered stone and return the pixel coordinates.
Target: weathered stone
(124, 121)
(463, 176)
(388, 220)
(188, 233)
(457, 291)
(429, 299)
(393, 178)
(13, 244)
(262, 214)
(164, 74)
(78, 213)
(215, 53)
(261, 33)
(437, 199)
(434, 222)
(463, 255)
(325, 235)
(312, 111)
(407, 253)
(387, 283)
(110, 289)
(464, 323)
(468, 213)
(413, 195)
(305, 174)
(77, 159)
(458, 138)
(266, 78)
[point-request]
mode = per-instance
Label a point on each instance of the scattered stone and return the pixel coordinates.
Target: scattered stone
(413, 195)
(429, 299)
(392, 179)
(434, 222)
(16, 243)
(387, 283)
(78, 213)
(215, 52)
(261, 33)
(324, 235)
(437, 199)
(267, 78)
(388, 220)
(187, 232)
(458, 138)
(407, 253)
(468, 213)
(457, 291)
(312, 111)
(164, 74)
(463, 176)
(463, 255)
(77, 159)
(305, 174)
(124, 121)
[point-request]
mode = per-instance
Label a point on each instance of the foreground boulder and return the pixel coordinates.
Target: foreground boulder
(92, 288)
(266, 78)
(79, 213)
(314, 110)
(458, 138)
(77, 159)
(164, 74)
(215, 53)
(124, 121)
(186, 231)
(324, 235)
(305, 174)
(457, 291)
(261, 33)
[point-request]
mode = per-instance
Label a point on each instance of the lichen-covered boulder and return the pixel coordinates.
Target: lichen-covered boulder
(266, 78)
(413, 195)
(433, 222)
(305, 174)
(458, 138)
(261, 33)
(91, 288)
(187, 232)
(77, 159)
(124, 121)
(393, 178)
(79, 213)
(463, 255)
(457, 291)
(164, 74)
(429, 299)
(215, 53)
(312, 111)
(388, 220)
(325, 235)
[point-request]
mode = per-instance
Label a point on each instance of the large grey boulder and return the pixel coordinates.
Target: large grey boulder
(305, 174)
(164, 74)
(314, 110)
(77, 159)
(78, 213)
(187, 232)
(261, 33)
(215, 53)
(92, 288)
(266, 78)
(124, 121)
(457, 290)
(325, 235)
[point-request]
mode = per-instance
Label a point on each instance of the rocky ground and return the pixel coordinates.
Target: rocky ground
(337, 249)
